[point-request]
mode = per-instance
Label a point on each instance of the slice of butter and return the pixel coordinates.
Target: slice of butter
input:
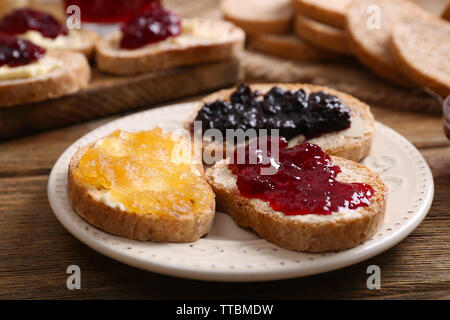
(192, 34)
(41, 67)
(71, 41)
(105, 197)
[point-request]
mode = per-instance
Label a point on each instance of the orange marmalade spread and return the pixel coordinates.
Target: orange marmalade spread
(144, 172)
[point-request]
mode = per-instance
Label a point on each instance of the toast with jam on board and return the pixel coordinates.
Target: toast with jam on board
(159, 39)
(30, 73)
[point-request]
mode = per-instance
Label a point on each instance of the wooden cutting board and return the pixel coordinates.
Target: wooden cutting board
(108, 95)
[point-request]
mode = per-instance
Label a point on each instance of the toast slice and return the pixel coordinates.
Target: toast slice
(321, 35)
(311, 232)
(421, 47)
(201, 41)
(72, 74)
(93, 204)
(329, 12)
(259, 16)
(353, 143)
(369, 33)
(289, 46)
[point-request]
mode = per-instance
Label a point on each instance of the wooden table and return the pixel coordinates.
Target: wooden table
(35, 250)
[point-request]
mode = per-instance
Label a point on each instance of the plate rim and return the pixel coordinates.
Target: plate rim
(223, 275)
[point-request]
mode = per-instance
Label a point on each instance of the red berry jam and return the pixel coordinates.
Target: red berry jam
(305, 182)
(154, 25)
(109, 11)
(16, 52)
(21, 20)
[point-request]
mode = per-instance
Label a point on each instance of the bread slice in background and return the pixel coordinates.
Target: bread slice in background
(289, 46)
(87, 45)
(310, 233)
(322, 35)
(421, 47)
(371, 45)
(259, 16)
(329, 12)
(86, 201)
(353, 143)
(71, 76)
(215, 41)
(446, 13)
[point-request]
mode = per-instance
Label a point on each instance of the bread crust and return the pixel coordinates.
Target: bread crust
(325, 233)
(411, 50)
(147, 227)
(253, 23)
(73, 76)
(350, 148)
(111, 59)
(321, 11)
(321, 35)
(371, 47)
(90, 38)
(290, 47)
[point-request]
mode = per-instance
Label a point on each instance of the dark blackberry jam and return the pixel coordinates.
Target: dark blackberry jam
(292, 112)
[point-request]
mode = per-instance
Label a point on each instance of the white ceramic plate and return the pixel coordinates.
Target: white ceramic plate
(229, 253)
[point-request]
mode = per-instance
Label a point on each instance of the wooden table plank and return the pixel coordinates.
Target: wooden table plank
(421, 129)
